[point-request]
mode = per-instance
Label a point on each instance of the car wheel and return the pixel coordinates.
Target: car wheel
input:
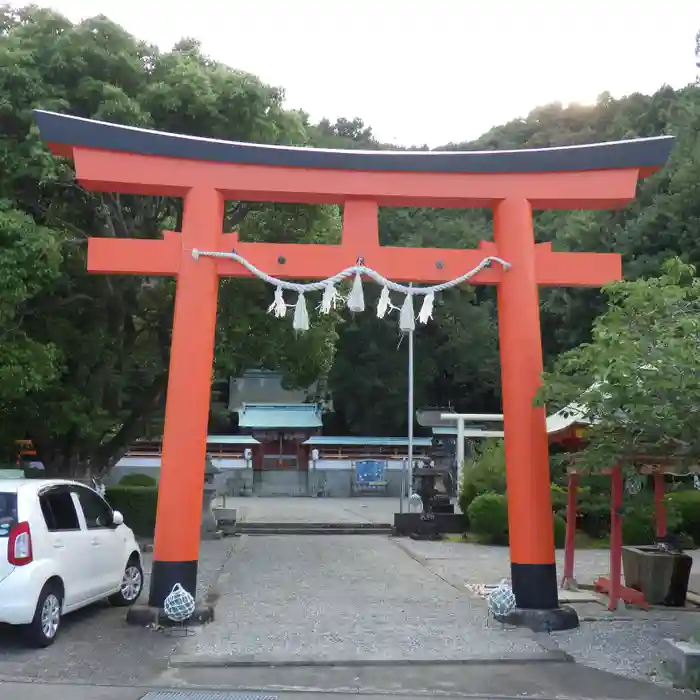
(132, 584)
(43, 629)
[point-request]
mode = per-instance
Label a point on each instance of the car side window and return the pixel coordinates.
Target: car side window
(59, 511)
(97, 513)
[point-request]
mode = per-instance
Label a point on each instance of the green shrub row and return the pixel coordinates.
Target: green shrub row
(488, 516)
(138, 506)
(137, 479)
(485, 475)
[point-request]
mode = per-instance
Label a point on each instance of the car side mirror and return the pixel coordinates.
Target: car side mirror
(117, 518)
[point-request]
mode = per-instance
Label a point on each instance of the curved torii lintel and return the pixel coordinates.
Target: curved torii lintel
(64, 132)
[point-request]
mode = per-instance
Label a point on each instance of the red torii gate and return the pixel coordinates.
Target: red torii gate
(206, 172)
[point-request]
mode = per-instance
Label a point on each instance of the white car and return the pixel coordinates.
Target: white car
(62, 547)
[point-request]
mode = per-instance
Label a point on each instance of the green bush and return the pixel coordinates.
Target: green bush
(637, 529)
(559, 531)
(560, 498)
(136, 479)
(485, 473)
(687, 504)
(138, 506)
(594, 516)
(639, 525)
(593, 505)
(488, 516)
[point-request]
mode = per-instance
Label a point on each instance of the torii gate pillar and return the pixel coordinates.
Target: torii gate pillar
(525, 426)
(205, 173)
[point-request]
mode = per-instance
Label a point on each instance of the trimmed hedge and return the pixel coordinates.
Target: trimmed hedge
(687, 504)
(138, 506)
(485, 475)
(488, 515)
(137, 479)
(559, 531)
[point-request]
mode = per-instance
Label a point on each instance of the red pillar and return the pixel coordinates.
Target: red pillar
(615, 537)
(659, 508)
(177, 536)
(570, 546)
(533, 568)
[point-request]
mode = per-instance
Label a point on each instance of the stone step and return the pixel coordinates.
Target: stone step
(347, 531)
(311, 529)
(271, 525)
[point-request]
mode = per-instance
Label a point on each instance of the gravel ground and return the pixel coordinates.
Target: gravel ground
(630, 648)
(345, 597)
(627, 643)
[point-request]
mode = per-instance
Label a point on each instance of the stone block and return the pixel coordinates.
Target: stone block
(683, 661)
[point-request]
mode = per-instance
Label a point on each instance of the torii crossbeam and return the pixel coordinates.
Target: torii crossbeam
(207, 172)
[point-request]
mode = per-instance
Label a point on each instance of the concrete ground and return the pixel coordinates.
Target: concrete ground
(377, 510)
(377, 598)
(344, 597)
(548, 681)
(97, 646)
(625, 642)
(364, 601)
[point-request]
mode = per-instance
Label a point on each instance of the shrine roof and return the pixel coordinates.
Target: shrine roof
(231, 440)
(567, 417)
(263, 416)
(64, 132)
(364, 441)
(469, 432)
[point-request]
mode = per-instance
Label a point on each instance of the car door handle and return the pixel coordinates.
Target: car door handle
(95, 543)
(58, 545)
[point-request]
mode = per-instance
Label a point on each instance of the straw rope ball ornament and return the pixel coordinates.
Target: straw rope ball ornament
(633, 485)
(501, 601)
(179, 605)
(415, 500)
(355, 301)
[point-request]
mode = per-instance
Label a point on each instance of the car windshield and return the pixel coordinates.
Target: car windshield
(8, 512)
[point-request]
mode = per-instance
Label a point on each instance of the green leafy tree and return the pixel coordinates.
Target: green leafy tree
(96, 348)
(30, 259)
(637, 378)
(661, 223)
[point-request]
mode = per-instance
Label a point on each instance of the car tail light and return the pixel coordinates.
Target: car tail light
(19, 546)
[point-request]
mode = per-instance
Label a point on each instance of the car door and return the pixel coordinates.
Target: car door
(106, 543)
(69, 546)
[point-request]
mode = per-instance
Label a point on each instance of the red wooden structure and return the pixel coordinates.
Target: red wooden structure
(572, 439)
(206, 172)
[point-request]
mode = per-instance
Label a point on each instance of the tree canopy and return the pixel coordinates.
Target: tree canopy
(661, 223)
(84, 359)
(637, 378)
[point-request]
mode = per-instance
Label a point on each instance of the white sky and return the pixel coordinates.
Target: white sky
(427, 71)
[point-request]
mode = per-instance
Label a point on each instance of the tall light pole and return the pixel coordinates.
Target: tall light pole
(410, 412)
(407, 471)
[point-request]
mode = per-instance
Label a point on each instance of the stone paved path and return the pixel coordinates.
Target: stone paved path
(344, 597)
(315, 510)
(627, 642)
(461, 562)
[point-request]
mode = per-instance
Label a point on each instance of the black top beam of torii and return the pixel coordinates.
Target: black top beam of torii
(60, 129)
